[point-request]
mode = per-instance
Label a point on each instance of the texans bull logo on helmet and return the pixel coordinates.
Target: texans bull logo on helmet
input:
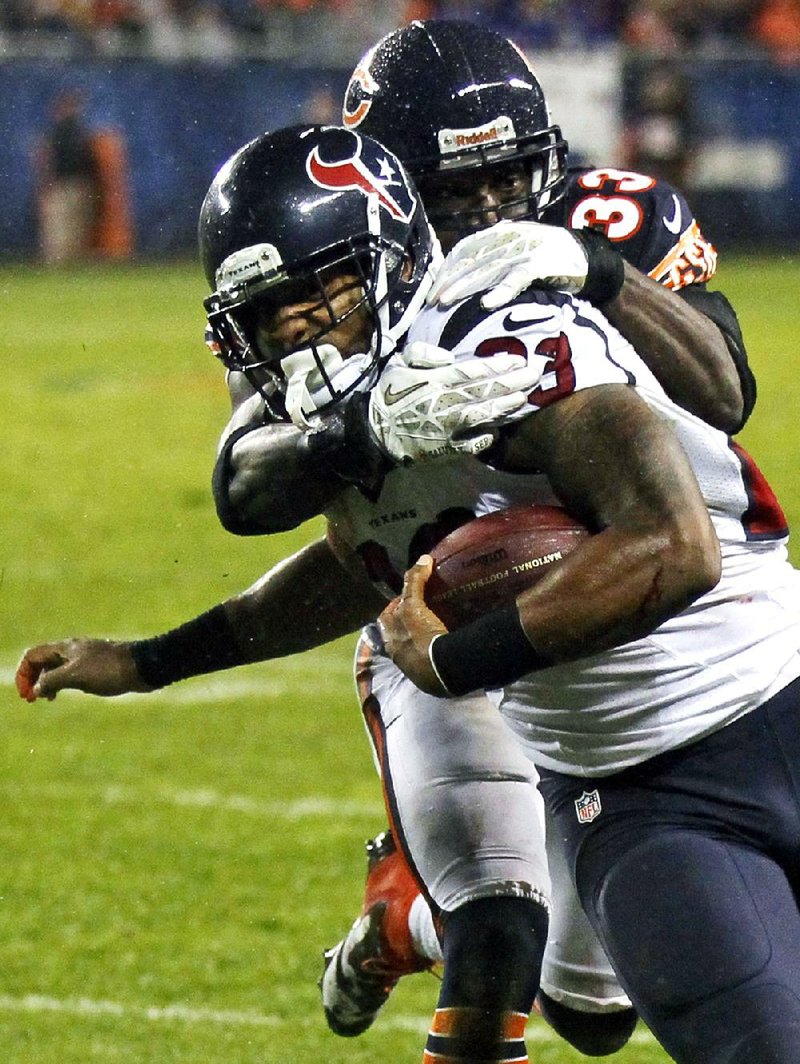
(368, 170)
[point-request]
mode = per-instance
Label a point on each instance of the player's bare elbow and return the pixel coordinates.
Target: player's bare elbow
(723, 408)
(694, 555)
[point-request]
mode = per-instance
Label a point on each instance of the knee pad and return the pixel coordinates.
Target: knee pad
(752, 1023)
(493, 950)
(595, 1034)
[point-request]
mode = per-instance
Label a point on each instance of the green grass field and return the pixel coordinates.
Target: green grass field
(173, 864)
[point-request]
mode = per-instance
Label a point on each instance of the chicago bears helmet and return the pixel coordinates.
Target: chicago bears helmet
(282, 216)
(446, 96)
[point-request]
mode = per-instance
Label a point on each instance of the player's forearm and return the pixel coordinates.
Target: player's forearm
(620, 468)
(266, 482)
(620, 588)
(656, 549)
(686, 351)
(623, 470)
(306, 600)
(616, 588)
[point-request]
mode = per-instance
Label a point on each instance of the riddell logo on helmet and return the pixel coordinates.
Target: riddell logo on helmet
(464, 140)
(498, 131)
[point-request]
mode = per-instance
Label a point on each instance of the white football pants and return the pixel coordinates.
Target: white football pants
(463, 802)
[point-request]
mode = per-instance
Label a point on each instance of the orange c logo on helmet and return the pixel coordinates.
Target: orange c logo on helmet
(358, 97)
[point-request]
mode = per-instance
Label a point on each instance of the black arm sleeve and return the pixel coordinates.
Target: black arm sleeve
(716, 307)
(341, 451)
(230, 520)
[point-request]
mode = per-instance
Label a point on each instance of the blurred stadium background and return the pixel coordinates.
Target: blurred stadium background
(173, 865)
(707, 91)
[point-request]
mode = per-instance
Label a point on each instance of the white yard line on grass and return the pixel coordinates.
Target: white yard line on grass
(537, 1032)
(312, 806)
(271, 680)
(206, 798)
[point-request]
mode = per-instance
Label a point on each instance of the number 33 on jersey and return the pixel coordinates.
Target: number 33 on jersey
(647, 220)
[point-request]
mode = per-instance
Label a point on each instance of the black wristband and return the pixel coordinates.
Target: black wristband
(488, 653)
(206, 644)
(605, 273)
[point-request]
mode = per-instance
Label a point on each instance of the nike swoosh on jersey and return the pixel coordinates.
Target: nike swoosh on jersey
(512, 324)
(674, 223)
(390, 396)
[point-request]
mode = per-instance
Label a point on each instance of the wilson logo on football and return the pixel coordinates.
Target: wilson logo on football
(356, 173)
(588, 807)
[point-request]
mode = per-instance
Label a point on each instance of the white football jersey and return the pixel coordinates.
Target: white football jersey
(730, 651)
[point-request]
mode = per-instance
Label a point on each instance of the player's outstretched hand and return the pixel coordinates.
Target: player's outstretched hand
(95, 666)
(505, 259)
(409, 627)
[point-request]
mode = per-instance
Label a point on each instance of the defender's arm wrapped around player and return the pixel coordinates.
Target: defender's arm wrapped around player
(426, 405)
(633, 248)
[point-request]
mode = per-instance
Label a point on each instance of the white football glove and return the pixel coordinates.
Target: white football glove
(306, 389)
(427, 405)
(507, 258)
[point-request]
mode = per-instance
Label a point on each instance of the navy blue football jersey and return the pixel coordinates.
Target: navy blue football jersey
(649, 222)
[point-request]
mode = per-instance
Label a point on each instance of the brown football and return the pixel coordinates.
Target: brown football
(487, 562)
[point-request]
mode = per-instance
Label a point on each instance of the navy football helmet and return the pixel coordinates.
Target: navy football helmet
(286, 214)
(448, 96)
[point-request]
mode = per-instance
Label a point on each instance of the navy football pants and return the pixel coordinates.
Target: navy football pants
(690, 873)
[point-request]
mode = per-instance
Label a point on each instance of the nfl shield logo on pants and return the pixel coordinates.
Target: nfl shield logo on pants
(588, 806)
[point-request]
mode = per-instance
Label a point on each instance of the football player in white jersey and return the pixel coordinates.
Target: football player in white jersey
(265, 493)
(473, 169)
(319, 255)
(666, 735)
(595, 432)
(480, 144)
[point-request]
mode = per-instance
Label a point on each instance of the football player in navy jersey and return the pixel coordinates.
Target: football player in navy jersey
(463, 109)
(654, 675)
